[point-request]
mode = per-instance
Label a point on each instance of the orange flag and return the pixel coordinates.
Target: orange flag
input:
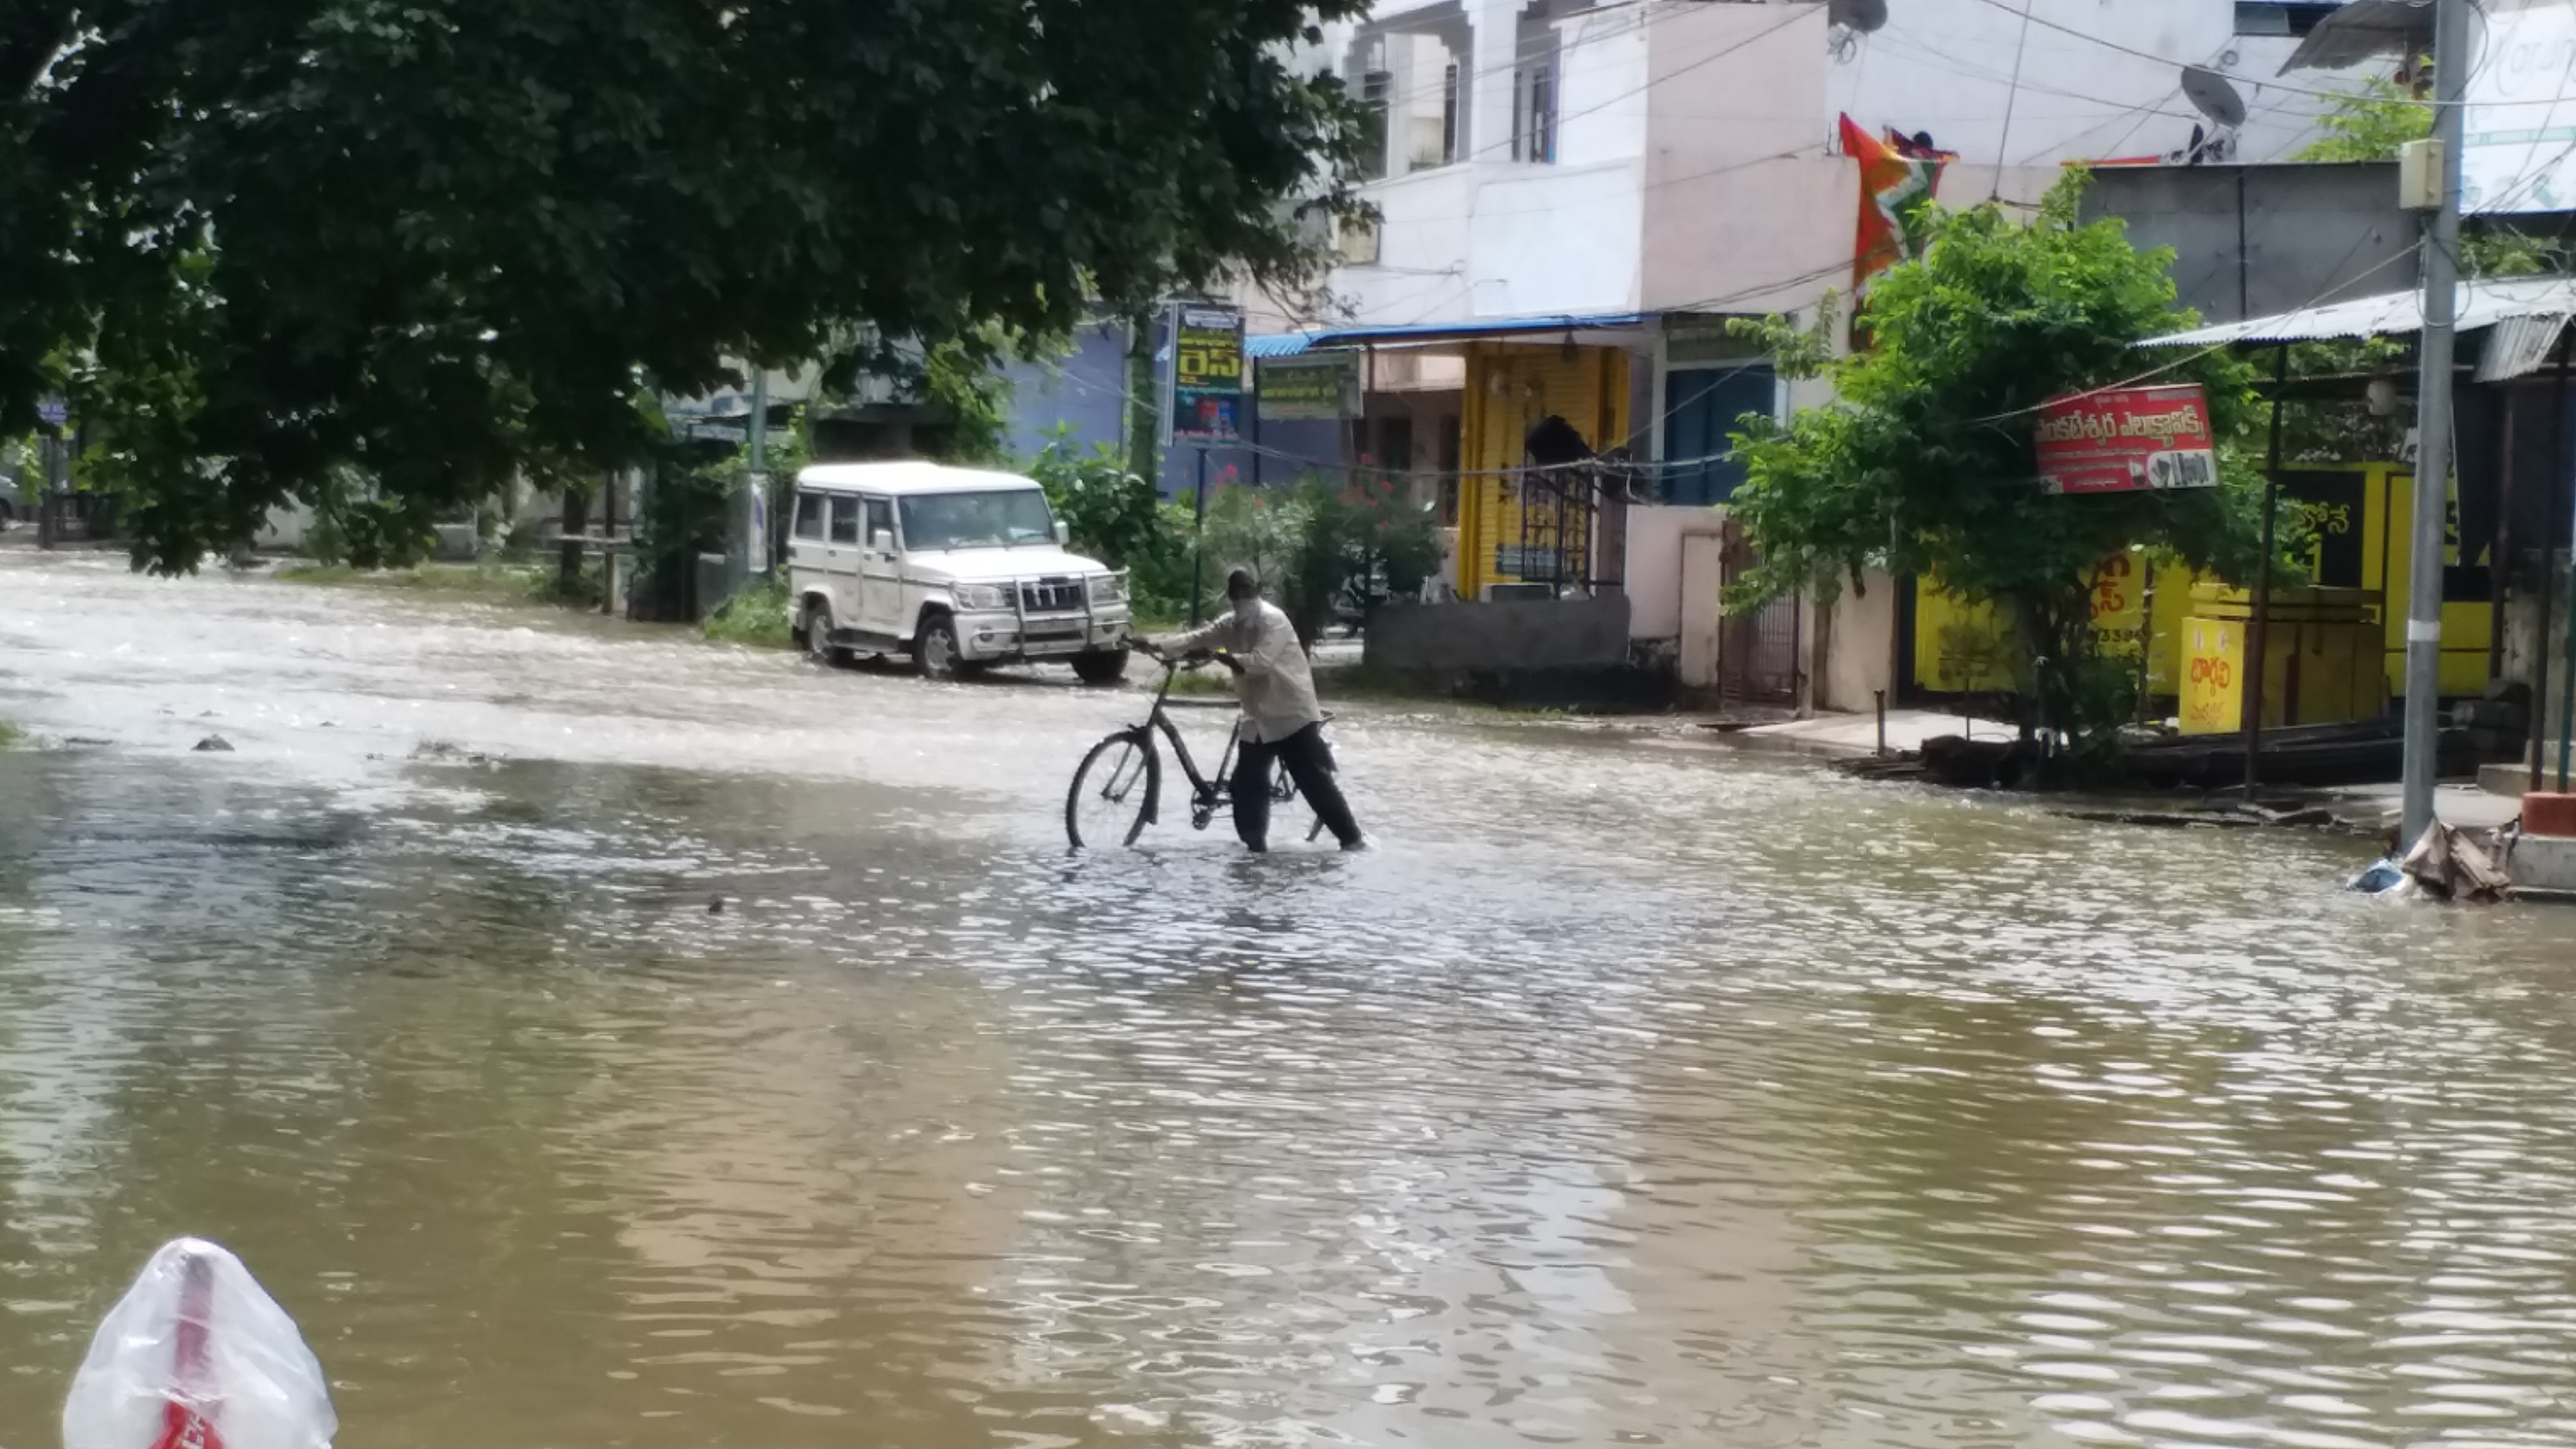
(1894, 176)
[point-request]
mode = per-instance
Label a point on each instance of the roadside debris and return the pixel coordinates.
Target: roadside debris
(2446, 863)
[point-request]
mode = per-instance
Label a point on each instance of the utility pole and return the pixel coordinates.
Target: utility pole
(2433, 430)
(755, 483)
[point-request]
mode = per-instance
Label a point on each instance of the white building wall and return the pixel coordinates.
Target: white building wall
(1602, 87)
(2098, 79)
(1557, 239)
(1697, 154)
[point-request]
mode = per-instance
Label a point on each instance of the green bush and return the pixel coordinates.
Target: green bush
(587, 590)
(1113, 515)
(1317, 541)
(1310, 542)
(756, 616)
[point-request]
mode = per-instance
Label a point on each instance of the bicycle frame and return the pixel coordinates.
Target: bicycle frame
(1206, 792)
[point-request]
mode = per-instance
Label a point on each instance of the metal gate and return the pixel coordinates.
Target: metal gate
(1757, 652)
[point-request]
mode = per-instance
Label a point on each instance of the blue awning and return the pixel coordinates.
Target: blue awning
(1290, 344)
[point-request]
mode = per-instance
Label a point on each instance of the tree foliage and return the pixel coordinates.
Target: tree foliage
(1925, 463)
(2370, 123)
(442, 240)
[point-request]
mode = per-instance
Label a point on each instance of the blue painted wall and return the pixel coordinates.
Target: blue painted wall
(1088, 390)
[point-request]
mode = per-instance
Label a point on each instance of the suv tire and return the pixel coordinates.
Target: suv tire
(935, 652)
(1101, 666)
(818, 636)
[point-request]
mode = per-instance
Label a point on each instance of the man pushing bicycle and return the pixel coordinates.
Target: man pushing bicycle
(1281, 719)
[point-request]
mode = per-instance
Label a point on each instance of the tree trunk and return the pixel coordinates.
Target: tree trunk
(576, 521)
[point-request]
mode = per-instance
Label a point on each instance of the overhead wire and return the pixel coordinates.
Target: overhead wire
(2012, 94)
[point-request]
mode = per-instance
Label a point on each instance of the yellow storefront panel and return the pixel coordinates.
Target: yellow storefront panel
(2358, 516)
(2213, 688)
(1965, 648)
(1510, 390)
(2468, 625)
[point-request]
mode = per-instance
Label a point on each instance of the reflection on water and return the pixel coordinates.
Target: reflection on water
(1632, 1093)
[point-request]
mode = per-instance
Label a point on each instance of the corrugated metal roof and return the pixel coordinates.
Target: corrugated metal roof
(2519, 347)
(1289, 344)
(2362, 29)
(2480, 304)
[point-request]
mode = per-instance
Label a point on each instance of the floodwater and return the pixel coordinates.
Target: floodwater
(1636, 1091)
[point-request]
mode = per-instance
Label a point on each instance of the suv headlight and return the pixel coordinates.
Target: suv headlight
(1108, 588)
(980, 596)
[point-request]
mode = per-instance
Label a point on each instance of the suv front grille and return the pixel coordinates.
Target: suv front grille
(1051, 596)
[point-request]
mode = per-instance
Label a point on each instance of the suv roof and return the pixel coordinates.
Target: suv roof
(911, 477)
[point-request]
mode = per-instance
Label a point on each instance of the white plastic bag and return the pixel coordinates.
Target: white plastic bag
(196, 1355)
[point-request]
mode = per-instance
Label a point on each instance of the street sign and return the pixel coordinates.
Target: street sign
(1206, 379)
(53, 411)
(2521, 111)
(2127, 440)
(1318, 387)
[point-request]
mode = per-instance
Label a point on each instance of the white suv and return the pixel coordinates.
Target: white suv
(958, 567)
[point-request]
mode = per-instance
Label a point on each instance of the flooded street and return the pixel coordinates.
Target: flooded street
(1635, 1091)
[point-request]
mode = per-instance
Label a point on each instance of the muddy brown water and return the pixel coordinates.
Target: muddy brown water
(1635, 1091)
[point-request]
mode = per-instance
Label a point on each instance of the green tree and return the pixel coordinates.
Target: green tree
(2369, 124)
(1114, 516)
(435, 239)
(1924, 464)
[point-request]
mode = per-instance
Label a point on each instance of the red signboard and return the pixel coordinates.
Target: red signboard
(2127, 439)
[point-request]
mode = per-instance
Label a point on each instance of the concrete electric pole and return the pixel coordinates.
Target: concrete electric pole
(2433, 429)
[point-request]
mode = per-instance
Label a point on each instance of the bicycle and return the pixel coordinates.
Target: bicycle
(1118, 788)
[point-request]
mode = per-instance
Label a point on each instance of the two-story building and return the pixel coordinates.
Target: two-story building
(1574, 197)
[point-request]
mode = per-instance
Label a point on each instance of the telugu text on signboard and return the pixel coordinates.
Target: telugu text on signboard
(2127, 439)
(1320, 387)
(1207, 373)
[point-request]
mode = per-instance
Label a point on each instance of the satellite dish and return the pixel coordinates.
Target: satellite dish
(1862, 17)
(2214, 96)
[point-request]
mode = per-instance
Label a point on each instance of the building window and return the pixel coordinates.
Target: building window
(1395, 443)
(1410, 86)
(1534, 111)
(1535, 83)
(2281, 17)
(1377, 90)
(1449, 113)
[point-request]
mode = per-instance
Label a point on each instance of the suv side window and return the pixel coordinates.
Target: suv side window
(809, 516)
(880, 520)
(845, 519)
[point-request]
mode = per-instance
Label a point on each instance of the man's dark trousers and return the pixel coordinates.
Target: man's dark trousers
(1309, 763)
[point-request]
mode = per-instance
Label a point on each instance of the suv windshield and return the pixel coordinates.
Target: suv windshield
(976, 520)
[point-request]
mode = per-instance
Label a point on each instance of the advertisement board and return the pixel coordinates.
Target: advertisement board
(2518, 130)
(1206, 378)
(1318, 387)
(2127, 439)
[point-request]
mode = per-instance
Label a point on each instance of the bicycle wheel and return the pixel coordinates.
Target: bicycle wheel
(1114, 792)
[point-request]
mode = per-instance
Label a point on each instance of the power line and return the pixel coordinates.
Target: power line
(2275, 84)
(2003, 142)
